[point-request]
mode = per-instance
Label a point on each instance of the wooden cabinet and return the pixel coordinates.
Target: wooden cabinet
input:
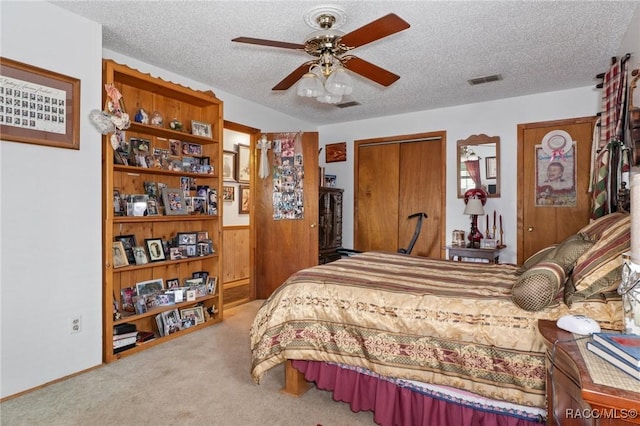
(573, 398)
(167, 167)
(492, 255)
(329, 224)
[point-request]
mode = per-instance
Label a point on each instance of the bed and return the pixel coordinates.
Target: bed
(430, 341)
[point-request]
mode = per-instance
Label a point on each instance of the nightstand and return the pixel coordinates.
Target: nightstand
(491, 254)
(572, 397)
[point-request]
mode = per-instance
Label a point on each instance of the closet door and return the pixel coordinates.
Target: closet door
(376, 204)
(395, 178)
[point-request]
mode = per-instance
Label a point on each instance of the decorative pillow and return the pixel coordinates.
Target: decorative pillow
(570, 250)
(538, 256)
(598, 226)
(599, 269)
(539, 286)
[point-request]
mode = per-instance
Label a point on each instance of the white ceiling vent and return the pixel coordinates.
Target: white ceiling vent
(485, 79)
(348, 104)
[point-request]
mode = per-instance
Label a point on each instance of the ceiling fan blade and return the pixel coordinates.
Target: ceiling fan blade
(385, 26)
(292, 78)
(272, 43)
(369, 70)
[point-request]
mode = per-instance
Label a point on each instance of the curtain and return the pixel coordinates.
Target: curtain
(611, 158)
(473, 167)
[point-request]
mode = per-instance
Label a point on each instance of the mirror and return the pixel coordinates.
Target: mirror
(478, 159)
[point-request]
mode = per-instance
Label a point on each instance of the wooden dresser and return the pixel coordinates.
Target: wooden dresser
(330, 224)
(572, 397)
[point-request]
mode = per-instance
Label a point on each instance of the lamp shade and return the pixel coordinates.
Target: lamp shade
(474, 207)
(310, 85)
(339, 82)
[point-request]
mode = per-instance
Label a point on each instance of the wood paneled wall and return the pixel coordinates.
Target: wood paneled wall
(236, 267)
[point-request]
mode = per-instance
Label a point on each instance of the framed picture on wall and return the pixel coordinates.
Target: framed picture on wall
(244, 163)
(229, 166)
(244, 204)
(228, 193)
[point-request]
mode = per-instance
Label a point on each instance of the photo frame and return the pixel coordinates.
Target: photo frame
(173, 283)
(243, 167)
(212, 285)
(335, 152)
(228, 193)
(144, 288)
(140, 255)
(229, 166)
(129, 242)
(186, 238)
(200, 128)
(155, 250)
(196, 314)
(245, 200)
(119, 255)
(330, 181)
(173, 201)
(491, 167)
(52, 106)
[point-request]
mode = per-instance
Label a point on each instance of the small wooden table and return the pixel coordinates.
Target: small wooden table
(572, 397)
(491, 254)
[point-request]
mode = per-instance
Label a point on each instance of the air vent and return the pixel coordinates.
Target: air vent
(486, 79)
(348, 104)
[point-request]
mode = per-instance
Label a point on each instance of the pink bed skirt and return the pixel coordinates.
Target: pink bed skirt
(394, 405)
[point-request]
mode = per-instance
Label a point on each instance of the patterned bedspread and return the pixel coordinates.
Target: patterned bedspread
(435, 321)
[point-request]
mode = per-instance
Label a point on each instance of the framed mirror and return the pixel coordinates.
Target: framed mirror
(478, 159)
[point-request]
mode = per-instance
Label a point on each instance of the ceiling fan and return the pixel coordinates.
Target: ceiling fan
(329, 46)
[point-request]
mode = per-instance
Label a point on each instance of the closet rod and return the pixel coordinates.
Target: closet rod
(613, 61)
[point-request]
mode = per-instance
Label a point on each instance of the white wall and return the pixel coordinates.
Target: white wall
(50, 215)
(496, 118)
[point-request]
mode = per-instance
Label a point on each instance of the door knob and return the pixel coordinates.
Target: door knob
(313, 225)
(530, 229)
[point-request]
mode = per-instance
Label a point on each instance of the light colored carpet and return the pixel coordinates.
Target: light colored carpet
(202, 378)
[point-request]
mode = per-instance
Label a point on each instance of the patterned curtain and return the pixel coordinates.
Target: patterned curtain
(611, 158)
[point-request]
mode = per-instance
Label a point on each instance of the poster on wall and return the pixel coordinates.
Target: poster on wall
(556, 170)
(288, 177)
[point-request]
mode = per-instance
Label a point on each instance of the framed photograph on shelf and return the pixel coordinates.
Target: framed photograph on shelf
(185, 238)
(491, 165)
(154, 247)
(173, 200)
(173, 283)
(140, 255)
(243, 167)
(40, 90)
(200, 128)
(144, 288)
(228, 193)
(229, 166)
(128, 242)
(212, 284)
(330, 181)
(245, 201)
(195, 314)
(119, 255)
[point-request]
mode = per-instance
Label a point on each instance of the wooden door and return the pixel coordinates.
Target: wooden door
(395, 178)
(284, 246)
(540, 226)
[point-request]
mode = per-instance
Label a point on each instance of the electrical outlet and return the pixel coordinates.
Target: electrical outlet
(76, 324)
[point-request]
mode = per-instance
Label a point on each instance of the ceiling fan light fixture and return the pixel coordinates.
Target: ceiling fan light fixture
(329, 98)
(310, 86)
(339, 82)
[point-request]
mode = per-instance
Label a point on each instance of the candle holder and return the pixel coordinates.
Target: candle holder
(629, 289)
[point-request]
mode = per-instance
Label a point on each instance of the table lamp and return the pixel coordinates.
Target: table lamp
(474, 209)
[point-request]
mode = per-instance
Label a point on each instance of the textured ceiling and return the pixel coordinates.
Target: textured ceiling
(536, 46)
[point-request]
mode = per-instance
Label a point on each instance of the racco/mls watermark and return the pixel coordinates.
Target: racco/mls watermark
(601, 413)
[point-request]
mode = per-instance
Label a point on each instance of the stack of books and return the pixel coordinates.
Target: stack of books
(124, 337)
(621, 350)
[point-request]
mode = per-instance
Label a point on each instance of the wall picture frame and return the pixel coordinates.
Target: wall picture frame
(245, 199)
(491, 167)
(173, 200)
(335, 152)
(228, 193)
(50, 100)
(155, 250)
(229, 166)
(243, 167)
(200, 128)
